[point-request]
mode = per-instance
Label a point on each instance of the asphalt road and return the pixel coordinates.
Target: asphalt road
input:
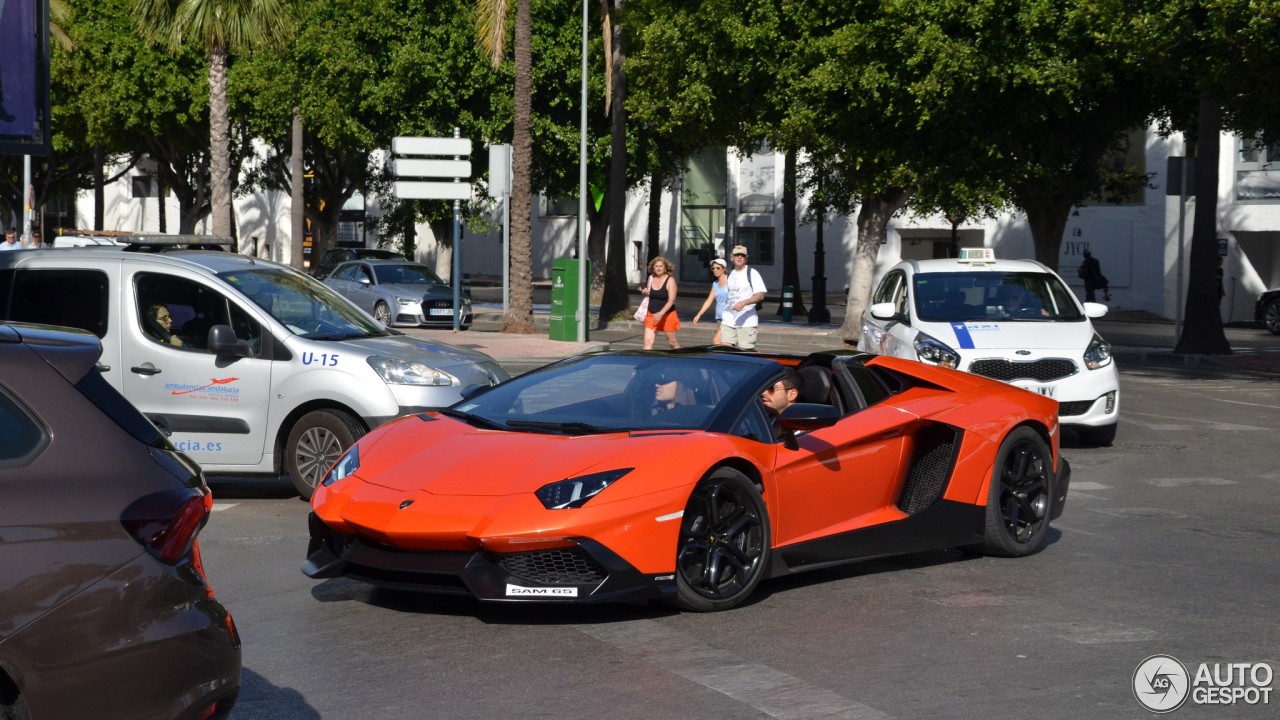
(1168, 546)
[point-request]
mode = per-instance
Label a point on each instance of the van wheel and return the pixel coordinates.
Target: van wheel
(316, 442)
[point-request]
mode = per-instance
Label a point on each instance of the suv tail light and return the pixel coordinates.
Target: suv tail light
(166, 523)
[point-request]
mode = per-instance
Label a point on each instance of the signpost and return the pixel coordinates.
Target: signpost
(458, 168)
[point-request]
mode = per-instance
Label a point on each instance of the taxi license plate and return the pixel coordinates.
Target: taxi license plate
(441, 311)
(1045, 390)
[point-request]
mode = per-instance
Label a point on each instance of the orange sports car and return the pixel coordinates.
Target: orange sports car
(634, 475)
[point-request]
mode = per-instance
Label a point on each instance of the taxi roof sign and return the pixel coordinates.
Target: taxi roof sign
(977, 255)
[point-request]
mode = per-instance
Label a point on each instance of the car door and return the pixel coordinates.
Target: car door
(363, 288)
(841, 478)
(214, 405)
(893, 336)
(341, 279)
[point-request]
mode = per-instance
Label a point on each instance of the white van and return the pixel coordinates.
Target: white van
(253, 367)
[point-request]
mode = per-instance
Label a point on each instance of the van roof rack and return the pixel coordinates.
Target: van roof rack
(155, 242)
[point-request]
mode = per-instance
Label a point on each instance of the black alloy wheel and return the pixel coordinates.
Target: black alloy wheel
(1271, 316)
(1020, 499)
(723, 550)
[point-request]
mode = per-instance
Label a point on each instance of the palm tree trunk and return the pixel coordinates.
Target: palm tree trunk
(615, 298)
(219, 140)
(298, 202)
(519, 317)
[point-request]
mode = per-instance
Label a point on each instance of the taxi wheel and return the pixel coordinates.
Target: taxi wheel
(382, 314)
(316, 442)
(1020, 497)
(723, 550)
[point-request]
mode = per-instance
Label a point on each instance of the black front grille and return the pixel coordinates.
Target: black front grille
(1075, 407)
(931, 462)
(561, 566)
(1046, 370)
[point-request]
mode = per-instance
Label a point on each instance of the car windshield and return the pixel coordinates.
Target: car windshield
(986, 295)
(308, 308)
(608, 393)
(406, 274)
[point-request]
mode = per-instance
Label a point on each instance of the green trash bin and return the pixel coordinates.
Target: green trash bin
(566, 299)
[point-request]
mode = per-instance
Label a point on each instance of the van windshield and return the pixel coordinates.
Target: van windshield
(308, 308)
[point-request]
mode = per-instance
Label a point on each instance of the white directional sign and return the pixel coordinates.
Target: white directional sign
(430, 146)
(412, 167)
(415, 190)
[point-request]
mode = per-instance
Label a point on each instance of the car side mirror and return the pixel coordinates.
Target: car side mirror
(808, 416)
(223, 341)
(885, 311)
(1094, 310)
(364, 281)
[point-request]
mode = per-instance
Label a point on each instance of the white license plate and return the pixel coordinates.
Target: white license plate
(442, 311)
(1045, 390)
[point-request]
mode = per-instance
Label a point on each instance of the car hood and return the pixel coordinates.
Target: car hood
(1012, 335)
(437, 354)
(433, 290)
(448, 457)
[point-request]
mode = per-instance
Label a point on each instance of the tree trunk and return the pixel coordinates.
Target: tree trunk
(297, 198)
(597, 235)
(790, 251)
(1203, 334)
(653, 237)
(615, 299)
(873, 221)
(1048, 221)
(519, 317)
(99, 183)
(219, 141)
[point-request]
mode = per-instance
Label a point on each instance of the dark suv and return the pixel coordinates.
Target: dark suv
(106, 609)
(337, 256)
(1267, 310)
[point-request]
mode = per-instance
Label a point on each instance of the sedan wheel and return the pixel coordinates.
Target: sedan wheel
(382, 314)
(1271, 316)
(723, 550)
(1020, 498)
(315, 444)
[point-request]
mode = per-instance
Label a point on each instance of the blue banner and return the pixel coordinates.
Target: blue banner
(21, 76)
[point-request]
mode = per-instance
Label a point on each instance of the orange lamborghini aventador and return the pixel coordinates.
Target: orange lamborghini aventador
(632, 475)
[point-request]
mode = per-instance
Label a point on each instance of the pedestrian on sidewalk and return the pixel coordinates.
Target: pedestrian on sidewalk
(738, 325)
(719, 295)
(1091, 272)
(660, 288)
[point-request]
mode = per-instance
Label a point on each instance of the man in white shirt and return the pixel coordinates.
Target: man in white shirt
(10, 242)
(746, 291)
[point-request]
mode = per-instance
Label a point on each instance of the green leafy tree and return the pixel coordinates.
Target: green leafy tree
(217, 27)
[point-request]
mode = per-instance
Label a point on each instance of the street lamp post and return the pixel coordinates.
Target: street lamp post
(584, 307)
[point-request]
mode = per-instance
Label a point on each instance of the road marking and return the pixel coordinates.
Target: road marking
(1241, 402)
(758, 686)
(1089, 486)
(1103, 633)
(1140, 512)
(1183, 482)
(1184, 427)
(223, 506)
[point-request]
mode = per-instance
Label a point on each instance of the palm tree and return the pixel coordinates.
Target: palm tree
(217, 27)
(491, 33)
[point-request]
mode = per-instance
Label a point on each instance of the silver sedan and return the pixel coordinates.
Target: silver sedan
(398, 293)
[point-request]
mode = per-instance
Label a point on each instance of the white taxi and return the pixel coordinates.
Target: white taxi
(1011, 320)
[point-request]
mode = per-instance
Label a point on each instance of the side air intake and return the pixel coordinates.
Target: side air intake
(931, 463)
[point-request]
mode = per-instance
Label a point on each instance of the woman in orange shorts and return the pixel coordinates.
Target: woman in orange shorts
(661, 290)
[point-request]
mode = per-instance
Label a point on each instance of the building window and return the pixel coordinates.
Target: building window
(759, 243)
(1257, 171)
(144, 186)
(559, 206)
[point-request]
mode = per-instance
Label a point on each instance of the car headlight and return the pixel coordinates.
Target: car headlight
(575, 492)
(935, 352)
(346, 465)
(408, 300)
(394, 371)
(1098, 354)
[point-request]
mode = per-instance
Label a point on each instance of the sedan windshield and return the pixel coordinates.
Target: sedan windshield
(406, 274)
(308, 308)
(608, 393)
(1002, 296)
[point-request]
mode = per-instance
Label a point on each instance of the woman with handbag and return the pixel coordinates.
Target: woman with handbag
(660, 295)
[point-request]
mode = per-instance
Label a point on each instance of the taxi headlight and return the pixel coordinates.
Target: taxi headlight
(395, 371)
(935, 352)
(1098, 354)
(346, 465)
(575, 492)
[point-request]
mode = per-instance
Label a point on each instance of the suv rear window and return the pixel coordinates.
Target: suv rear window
(22, 436)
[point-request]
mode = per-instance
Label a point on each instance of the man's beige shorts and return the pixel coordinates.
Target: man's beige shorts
(744, 338)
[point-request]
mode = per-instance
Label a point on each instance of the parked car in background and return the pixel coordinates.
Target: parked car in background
(1267, 311)
(337, 256)
(256, 368)
(398, 293)
(107, 612)
(1011, 320)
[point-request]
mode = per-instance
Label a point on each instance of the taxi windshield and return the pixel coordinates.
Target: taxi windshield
(306, 307)
(1000, 296)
